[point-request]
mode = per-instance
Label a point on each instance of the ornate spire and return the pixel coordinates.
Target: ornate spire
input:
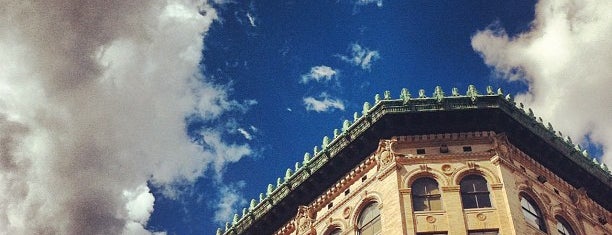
(438, 94)
(405, 95)
(253, 204)
(306, 159)
(472, 92)
(325, 142)
(455, 91)
(346, 124)
(270, 189)
(490, 90)
(288, 174)
(422, 93)
(376, 98)
(387, 95)
(366, 108)
(355, 116)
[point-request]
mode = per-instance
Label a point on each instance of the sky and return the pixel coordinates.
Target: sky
(169, 116)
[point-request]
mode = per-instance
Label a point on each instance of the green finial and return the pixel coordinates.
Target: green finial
(387, 95)
(261, 197)
(550, 127)
(297, 166)
(306, 159)
(346, 124)
(366, 108)
(490, 90)
(336, 133)
(288, 174)
(244, 212)
(500, 91)
(522, 105)
(605, 167)
(227, 226)
(472, 92)
(531, 114)
(279, 182)
(253, 204)
(595, 161)
(509, 98)
(376, 98)
(422, 93)
(355, 116)
(560, 134)
(270, 189)
(219, 231)
(405, 95)
(438, 93)
(236, 218)
(585, 153)
(569, 140)
(315, 150)
(578, 147)
(540, 120)
(325, 142)
(455, 91)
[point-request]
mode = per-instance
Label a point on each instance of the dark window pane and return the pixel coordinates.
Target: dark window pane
(419, 204)
(468, 201)
(483, 200)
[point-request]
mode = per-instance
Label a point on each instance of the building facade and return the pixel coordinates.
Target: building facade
(462, 164)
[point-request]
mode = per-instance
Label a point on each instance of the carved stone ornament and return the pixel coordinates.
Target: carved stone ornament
(481, 216)
(430, 219)
(384, 153)
(447, 169)
(347, 212)
(305, 220)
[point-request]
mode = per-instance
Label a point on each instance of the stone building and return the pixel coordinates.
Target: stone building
(458, 164)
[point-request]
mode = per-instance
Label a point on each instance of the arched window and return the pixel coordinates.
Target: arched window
(474, 192)
(563, 227)
(426, 195)
(532, 213)
(334, 231)
(369, 220)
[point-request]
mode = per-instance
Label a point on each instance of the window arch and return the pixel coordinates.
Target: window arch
(368, 222)
(474, 192)
(334, 231)
(532, 213)
(563, 227)
(426, 195)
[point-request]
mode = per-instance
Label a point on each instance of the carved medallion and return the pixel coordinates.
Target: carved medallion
(481, 216)
(347, 212)
(447, 169)
(430, 219)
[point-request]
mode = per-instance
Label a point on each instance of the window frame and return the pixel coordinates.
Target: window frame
(475, 194)
(428, 197)
(368, 224)
(536, 213)
(566, 225)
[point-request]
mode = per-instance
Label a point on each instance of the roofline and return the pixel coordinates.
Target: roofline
(499, 114)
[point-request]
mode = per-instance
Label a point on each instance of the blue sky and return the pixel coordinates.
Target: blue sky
(169, 116)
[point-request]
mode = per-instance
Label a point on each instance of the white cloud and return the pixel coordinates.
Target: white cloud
(566, 61)
(319, 73)
(245, 133)
(379, 3)
(361, 56)
(251, 19)
(93, 98)
(228, 201)
(323, 104)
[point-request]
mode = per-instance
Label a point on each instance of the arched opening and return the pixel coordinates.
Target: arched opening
(368, 222)
(532, 213)
(474, 192)
(426, 195)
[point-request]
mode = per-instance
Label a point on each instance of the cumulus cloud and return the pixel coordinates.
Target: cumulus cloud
(229, 199)
(565, 59)
(93, 98)
(361, 56)
(324, 103)
(319, 73)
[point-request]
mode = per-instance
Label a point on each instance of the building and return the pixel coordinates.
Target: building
(457, 164)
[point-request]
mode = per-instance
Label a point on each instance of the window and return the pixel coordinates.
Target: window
(532, 213)
(335, 231)
(563, 227)
(426, 195)
(369, 220)
(420, 151)
(484, 232)
(474, 192)
(467, 148)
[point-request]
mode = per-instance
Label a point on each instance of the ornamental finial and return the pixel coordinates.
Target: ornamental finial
(387, 95)
(422, 93)
(336, 133)
(288, 174)
(279, 182)
(355, 116)
(244, 212)
(455, 91)
(306, 159)
(438, 93)
(605, 167)
(219, 231)
(297, 166)
(472, 92)
(509, 98)
(346, 124)
(585, 153)
(569, 140)
(531, 114)
(550, 128)
(253, 204)
(325, 142)
(236, 218)
(261, 197)
(227, 226)
(490, 90)
(366, 108)
(405, 95)
(376, 98)
(315, 150)
(270, 189)
(595, 161)
(500, 91)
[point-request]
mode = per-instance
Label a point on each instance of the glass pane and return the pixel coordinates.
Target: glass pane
(336, 232)
(419, 204)
(469, 201)
(563, 227)
(435, 203)
(368, 214)
(483, 200)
